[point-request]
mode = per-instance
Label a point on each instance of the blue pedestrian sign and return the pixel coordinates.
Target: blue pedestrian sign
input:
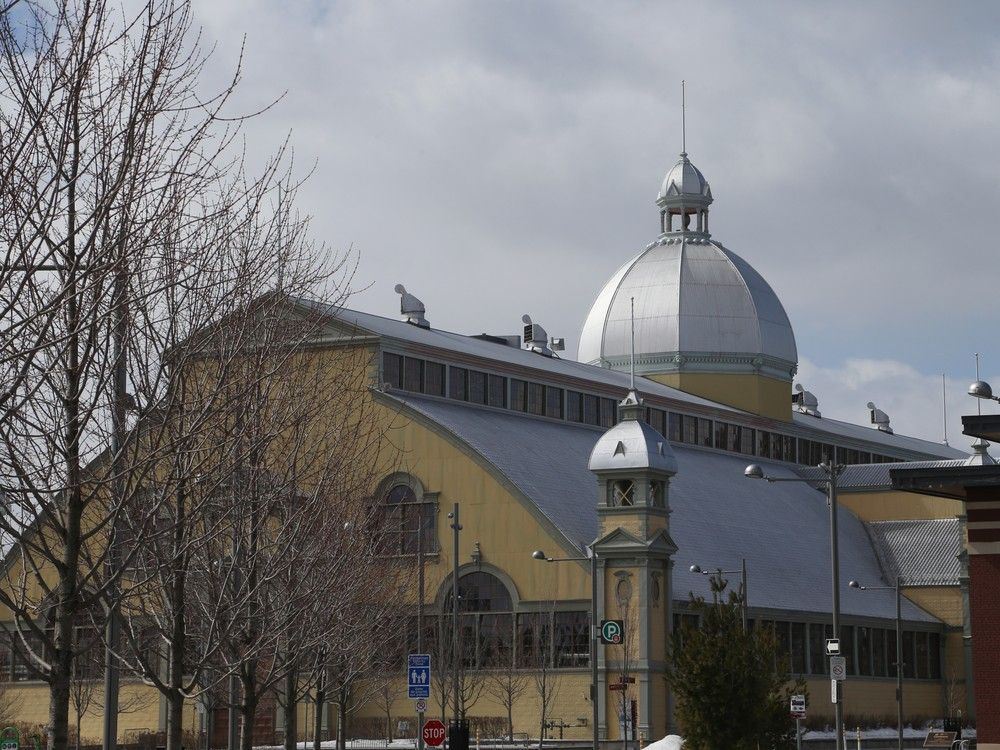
(418, 676)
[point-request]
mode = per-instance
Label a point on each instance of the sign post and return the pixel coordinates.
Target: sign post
(418, 676)
(797, 708)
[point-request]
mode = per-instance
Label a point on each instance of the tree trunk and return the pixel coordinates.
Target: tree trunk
(58, 727)
(175, 714)
(510, 720)
(318, 718)
(248, 709)
(342, 720)
(291, 709)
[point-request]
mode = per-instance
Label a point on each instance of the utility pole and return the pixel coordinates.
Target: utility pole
(420, 609)
(455, 651)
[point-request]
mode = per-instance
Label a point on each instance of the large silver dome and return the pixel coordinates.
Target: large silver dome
(698, 308)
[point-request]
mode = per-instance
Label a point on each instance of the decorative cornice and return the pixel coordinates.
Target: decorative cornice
(725, 362)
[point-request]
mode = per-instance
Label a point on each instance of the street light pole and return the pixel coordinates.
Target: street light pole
(899, 650)
(832, 471)
(420, 609)
(594, 632)
(455, 655)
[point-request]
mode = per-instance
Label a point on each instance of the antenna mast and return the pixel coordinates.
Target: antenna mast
(979, 401)
(944, 408)
(631, 358)
(684, 147)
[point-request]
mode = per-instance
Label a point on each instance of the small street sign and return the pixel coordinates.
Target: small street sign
(433, 732)
(797, 707)
(833, 691)
(940, 739)
(838, 667)
(421, 705)
(418, 676)
(612, 632)
(833, 647)
(617, 686)
(10, 739)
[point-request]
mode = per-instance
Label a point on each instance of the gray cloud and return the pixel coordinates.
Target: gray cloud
(502, 158)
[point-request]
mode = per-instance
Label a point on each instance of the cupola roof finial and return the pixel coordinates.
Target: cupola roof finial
(683, 121)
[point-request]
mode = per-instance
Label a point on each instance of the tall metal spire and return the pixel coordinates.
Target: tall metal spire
(631, 356)
(944, 408)
(683, 121)
(979, 401)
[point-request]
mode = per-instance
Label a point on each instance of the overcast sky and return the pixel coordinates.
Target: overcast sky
(503, 158)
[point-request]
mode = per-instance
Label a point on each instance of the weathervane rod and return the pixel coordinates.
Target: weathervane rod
(979, 401)
(631, 358)
(684, 147)
(944, 408)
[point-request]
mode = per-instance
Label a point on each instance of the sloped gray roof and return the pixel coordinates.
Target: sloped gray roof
(718, 515)
(446, 341)
(924, 553)
(476, 347)
(873, 476)
(836, 429)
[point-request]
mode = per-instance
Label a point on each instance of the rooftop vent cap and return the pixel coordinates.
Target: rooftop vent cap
(411, 309)
(805, 402)
(535, 338)
(879, 418)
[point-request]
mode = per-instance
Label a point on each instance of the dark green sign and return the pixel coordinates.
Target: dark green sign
(612, 632)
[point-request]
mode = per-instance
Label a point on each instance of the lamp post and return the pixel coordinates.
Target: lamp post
(594, 625)
(899, 651)
(455, 653)
(832, 471)
(743, 584)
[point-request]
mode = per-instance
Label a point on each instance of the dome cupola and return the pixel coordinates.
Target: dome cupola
(685, 193)
(705, 321)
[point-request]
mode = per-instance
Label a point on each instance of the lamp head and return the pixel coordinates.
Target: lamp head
(753, 471)
(981, 389)
(856, 585)
(539, 555)
(695, 569)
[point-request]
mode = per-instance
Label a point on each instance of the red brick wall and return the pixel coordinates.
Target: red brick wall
(984, 601)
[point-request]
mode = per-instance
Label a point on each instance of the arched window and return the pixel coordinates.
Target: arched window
(493, 636)
(486, 621)
(406, 517)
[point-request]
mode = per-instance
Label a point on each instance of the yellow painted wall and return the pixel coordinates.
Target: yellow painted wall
(757, 394)
(887, 505)
(140, 704)
(866, 696)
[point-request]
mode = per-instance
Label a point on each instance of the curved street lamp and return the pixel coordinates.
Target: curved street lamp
(899, 651)
(832, 471)
(594, 626)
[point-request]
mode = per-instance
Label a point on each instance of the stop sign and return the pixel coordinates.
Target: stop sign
(434, 732)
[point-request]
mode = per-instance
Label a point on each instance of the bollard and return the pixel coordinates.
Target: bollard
(858, 730)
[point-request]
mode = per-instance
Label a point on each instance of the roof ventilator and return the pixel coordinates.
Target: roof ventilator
(537, 340)
(805, 402)
(411, 309)
(879, 418)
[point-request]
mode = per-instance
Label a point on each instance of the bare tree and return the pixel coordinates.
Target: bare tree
(545, 679)
(132, 236)
(121, 193)
(503, 681)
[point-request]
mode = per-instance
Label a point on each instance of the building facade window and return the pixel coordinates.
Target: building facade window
(404, 518)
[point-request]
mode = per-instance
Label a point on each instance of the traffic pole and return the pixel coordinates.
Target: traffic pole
(420, 610)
